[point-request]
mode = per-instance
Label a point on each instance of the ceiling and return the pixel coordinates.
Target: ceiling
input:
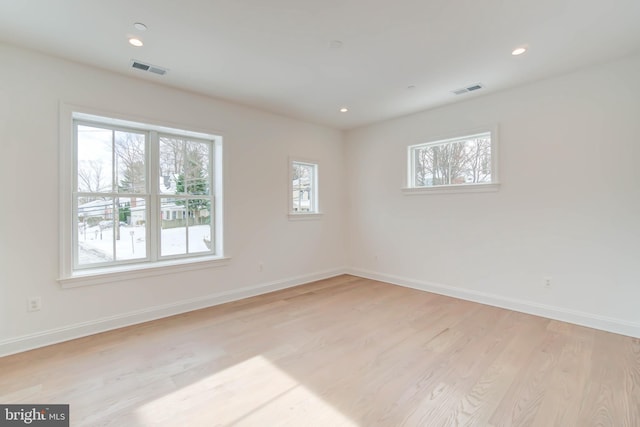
(395, 57)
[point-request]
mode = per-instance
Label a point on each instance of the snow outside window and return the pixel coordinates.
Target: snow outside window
(142, 194)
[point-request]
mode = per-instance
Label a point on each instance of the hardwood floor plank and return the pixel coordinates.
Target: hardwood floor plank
(561, 405)
(611, 396)
(345, 351)
(523, 400)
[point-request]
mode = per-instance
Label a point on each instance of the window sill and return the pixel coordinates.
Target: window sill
(452, 189)
(305, 216)
(129, 272)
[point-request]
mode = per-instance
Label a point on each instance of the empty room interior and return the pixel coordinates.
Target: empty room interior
(304, 213)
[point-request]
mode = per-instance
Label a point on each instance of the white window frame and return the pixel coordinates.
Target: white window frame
(72, 275)
(315, 190)
(409, 181)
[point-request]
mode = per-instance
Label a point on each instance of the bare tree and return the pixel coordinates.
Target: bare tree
(91, 178)
(301, 185)
(475, 161)
(185, 158)
(171, 155)
(453, 163)
(434, 165)
(130, 155)
(129, 151)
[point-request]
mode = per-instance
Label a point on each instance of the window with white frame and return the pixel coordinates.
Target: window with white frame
(303, 179)
(142, 194)
(465, 161)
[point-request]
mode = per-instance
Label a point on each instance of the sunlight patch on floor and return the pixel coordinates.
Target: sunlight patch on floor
(254, 392)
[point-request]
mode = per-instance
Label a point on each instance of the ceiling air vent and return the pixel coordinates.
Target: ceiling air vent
(138, 65)
(467, 89)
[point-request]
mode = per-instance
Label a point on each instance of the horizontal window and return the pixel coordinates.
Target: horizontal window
(464, 161)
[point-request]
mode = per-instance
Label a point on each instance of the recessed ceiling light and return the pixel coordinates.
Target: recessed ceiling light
(139, 26)
(518, 51)
(135, 42)
(344, 109)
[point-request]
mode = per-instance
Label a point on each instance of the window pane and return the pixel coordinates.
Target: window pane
(130, 161)
(196, 181)
(303, 191)
(438, 164)
(431, 165)
(173, 235)
(94, 159)
(184, 166)
(95, 230)
(170, 163)
(130, 229)
(421, 167)
(477, 164)
(199, 225)
(456, 163)
(463, 161)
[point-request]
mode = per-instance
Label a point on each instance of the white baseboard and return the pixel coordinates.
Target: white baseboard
(78, 330)
(618, 326)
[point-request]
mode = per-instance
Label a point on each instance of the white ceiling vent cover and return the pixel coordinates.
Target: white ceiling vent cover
(468, 89)
(139, 65)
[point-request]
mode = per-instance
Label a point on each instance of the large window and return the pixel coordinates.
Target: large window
(142, 194)
(465, 161)
(303, 179)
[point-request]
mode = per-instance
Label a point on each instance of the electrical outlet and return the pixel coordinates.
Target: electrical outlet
(34, 303)
(260, 266)
(547, 282)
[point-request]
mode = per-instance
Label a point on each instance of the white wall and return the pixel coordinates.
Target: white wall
(568, 207)
(257, 229)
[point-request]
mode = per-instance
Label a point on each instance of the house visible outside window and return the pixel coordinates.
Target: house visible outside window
(142, 194)
(303, 178)
(467, 162)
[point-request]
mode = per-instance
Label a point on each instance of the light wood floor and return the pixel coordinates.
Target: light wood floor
(339, 352)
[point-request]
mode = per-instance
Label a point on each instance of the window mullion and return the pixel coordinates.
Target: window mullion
(114, 189)
(185, 191)
(213, 212)
(314, 190)
(153, 214)
(74, 203)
